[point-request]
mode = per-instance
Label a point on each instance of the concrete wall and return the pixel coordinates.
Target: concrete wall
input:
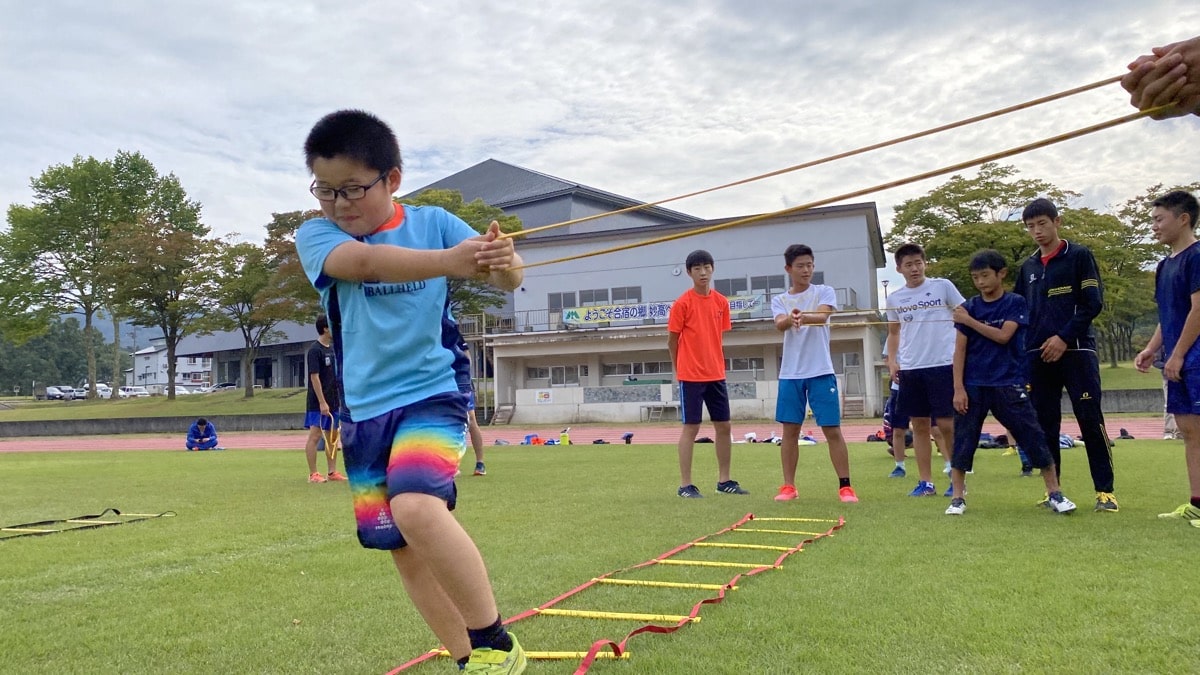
(151, 425)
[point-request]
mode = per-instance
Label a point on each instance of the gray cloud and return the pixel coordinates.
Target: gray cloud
(643, 99)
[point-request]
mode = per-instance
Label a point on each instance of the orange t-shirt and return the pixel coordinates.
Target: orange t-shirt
(699, 320)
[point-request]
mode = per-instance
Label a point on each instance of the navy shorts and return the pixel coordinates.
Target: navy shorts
(711, 395)
(411, 449)
(926, 392)
(1183, 398)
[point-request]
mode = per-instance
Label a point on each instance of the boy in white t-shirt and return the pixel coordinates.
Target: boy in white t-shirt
(806, 376)
(921, 338)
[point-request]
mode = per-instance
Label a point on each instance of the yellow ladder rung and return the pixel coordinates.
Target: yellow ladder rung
(665, 584)
(95, 522)
(752, 529)
(26, 529)
(620, 616)
(554, 655)
(794, 520)
(759, 547)
(710, 563)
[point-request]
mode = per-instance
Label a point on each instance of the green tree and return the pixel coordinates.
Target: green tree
(468, 296)
(247, 299)
(163, 279)
(56, 255)
(288, 283)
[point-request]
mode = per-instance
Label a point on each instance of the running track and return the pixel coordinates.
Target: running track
(1140, 427)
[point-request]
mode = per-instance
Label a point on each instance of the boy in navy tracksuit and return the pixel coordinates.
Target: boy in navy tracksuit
(1061, 283)
(989, 376)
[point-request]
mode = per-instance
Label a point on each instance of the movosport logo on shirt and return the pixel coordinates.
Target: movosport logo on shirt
(923, 304)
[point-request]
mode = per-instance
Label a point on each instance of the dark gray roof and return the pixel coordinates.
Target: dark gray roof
(201, 345)
(505, 185)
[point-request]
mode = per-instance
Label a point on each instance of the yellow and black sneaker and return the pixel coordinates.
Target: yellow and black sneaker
(1105, 501)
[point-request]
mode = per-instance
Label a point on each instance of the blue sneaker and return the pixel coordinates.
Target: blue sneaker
(731, 487)
(690, 492)
(949, 491)
(923, 489)
(897, 472)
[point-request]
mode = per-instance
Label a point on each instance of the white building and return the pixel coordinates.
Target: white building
(150, 369)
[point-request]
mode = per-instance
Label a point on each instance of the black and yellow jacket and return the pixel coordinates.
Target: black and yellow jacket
(1064, 296)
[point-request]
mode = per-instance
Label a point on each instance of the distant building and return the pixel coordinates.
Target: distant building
(150, 368)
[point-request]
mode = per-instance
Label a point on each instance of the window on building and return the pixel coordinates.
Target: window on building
(731, 287)
(555, 302)
(744, 364)
(593, 297)
(537, 373)
(769, 286)
(626, 295)
(564, 375)
(818, 278)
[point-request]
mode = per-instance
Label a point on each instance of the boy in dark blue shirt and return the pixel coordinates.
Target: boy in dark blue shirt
(1177, 292)
(989, 377)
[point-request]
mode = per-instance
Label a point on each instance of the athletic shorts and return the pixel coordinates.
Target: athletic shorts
(1183, 398)
(712, 395)
(926, 392)
(469, 392)
(819, 393)
(314, 418)
(411, 449)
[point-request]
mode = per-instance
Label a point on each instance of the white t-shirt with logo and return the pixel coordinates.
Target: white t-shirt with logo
(805, 349)
(927, 331)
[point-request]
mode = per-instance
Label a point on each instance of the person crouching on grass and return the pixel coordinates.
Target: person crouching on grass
(989, 353)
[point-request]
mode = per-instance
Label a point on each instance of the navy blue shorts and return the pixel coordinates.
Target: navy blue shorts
(926, 392)
(1183, 398)
(712, 395)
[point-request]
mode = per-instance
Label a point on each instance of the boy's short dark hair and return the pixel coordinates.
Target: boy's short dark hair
(698, 258)
(322, 324)
(354, 134)
(907, 250)
(1179, 202)
(201, 422)
(795, 251)
(987, 259)
(1039, 207)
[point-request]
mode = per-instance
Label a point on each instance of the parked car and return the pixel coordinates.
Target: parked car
(225, 386)
(182, 391)
(103, 390)
(133, 392)
(54, 394)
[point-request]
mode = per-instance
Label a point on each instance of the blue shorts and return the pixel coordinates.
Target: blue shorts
(411, 449)
(820, 393)
(926, 392)
(468, 391)
(314, 418)
(712, 395)
(1183, 398)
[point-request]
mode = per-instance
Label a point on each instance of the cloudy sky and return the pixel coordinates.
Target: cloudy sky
(645, 99)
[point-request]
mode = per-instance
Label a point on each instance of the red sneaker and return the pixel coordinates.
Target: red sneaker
(846, 494)
(787, 493)
(315, 477)
(336, 475)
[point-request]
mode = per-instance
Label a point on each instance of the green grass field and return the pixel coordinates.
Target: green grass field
(260, 572)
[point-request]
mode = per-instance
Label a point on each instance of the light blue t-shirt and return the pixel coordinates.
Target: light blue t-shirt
(391, 344)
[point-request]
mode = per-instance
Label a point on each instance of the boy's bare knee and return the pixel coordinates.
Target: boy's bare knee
(412, 509)
(722, 427)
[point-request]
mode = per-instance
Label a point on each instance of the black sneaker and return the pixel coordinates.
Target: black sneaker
(731, 487)
(690, 492)
(1026, 471)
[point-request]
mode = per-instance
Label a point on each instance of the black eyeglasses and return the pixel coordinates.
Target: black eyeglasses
(350, 192)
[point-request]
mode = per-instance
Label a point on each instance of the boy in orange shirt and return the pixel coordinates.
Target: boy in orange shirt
(695, 325)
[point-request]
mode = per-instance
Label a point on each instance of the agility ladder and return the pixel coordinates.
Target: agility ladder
(669, 623)
(87, 522)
